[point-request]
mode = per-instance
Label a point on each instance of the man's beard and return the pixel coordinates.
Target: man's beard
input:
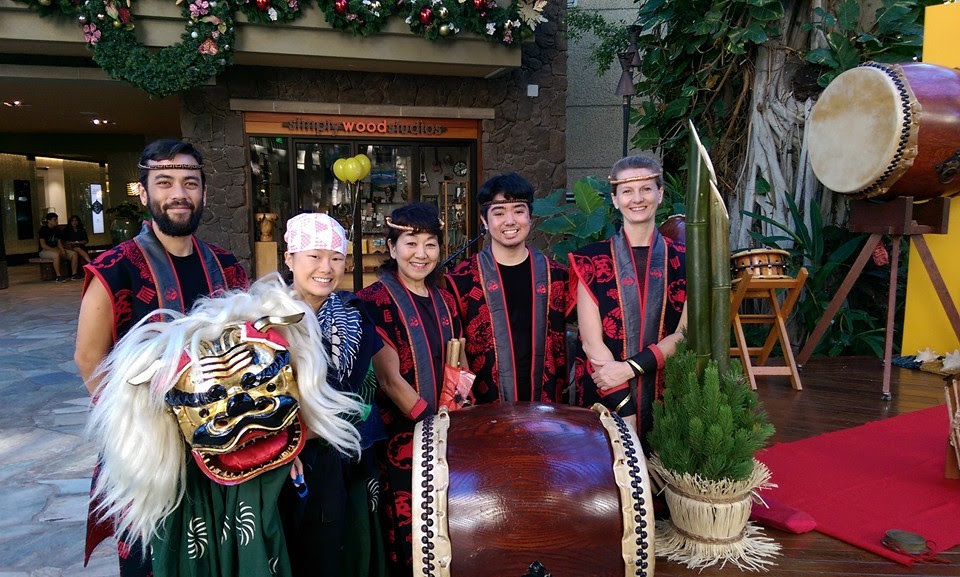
(170, 227)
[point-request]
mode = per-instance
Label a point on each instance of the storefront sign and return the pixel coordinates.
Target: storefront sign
(274, 124)
(382, 126)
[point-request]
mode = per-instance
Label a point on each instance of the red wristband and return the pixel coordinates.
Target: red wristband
(418, 408)
(659, 354)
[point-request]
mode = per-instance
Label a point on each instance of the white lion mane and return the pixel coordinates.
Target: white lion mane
(143, 454)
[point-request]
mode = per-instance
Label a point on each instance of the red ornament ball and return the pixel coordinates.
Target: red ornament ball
(479, 4)
(263, 5)
(340, 6)
(426, 16)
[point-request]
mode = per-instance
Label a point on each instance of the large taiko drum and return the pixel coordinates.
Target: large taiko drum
(888, 130)
(498, 488)
(760, 262)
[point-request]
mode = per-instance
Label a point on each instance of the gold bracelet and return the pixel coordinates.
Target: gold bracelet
(635, 366)
(622, 404)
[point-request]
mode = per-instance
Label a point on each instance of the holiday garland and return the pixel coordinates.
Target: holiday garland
(206, 46)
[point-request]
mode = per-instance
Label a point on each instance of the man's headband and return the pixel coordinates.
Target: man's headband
(407, 228)
(632, 178)
(171, 166)
(505, 201)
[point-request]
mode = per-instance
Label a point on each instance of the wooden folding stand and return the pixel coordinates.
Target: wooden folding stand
(897, 217)
(749, 286)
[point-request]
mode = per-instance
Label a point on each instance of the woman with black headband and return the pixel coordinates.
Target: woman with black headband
(415, 319)
(631, 300)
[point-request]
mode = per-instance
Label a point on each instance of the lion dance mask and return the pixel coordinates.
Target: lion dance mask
(236, 383)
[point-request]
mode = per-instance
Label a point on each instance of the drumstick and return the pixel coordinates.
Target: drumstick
(453, 353)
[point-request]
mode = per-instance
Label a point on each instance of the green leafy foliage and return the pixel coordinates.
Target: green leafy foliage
(697, 63)
(694, 55)
(709, 426)
(590, 218)
(895, 35)
(828, 253)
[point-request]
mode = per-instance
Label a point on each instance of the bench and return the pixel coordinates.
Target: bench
(46, 267)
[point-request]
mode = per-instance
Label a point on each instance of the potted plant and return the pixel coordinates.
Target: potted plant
(126, 221)
(705, 433)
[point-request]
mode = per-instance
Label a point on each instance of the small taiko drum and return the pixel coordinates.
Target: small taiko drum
(761, 262)
(888, 130)
(527, 488)
(675, 228)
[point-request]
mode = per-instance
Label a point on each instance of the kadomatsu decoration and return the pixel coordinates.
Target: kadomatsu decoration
(207, 44)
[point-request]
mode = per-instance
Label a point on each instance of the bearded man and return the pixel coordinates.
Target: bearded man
(164, 266)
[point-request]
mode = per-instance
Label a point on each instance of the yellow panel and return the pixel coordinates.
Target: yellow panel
(925, 322)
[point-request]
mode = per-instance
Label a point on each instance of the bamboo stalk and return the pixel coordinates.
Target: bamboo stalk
(719, 281)
(698, 257)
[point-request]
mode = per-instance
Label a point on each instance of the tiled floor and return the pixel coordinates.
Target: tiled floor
(45, 463)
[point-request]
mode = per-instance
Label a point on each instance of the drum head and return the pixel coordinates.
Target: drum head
(855, 129)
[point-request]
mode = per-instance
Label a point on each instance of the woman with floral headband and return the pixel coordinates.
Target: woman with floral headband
(631, 300)
(326, 509)
(415, 319)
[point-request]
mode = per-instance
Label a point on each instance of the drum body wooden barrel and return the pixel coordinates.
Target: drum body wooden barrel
(675, 228)
(888, 130)
(499, 487)
(761, 262)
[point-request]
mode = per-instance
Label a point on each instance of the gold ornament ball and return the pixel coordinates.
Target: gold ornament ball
(445, 30)
(117, 24)
(442, 12)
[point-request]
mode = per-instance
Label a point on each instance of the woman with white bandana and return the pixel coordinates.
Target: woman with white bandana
(329, 510)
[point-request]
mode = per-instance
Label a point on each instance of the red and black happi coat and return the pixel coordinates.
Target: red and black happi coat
(401, 327)
(139, 285)
(638, 308)
(479, 292)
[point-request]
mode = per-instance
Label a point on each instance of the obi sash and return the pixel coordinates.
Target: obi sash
(164, 274)
(426, 378)
(493, 292)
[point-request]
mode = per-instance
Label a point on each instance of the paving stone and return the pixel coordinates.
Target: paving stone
(21, 504)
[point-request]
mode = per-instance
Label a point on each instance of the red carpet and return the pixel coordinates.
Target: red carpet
(860, 482)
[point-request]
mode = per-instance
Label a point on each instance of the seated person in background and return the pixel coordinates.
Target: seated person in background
(52, 247)
(76, 239)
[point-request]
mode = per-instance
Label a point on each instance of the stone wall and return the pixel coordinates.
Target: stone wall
(527, 134)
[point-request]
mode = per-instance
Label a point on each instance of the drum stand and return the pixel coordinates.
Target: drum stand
(751, 287)
(897, 217)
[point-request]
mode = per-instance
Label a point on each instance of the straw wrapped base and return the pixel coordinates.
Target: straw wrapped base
(709, 521)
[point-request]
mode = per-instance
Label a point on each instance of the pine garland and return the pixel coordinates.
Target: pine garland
(710, 428)
(206, 46)
(359, 17)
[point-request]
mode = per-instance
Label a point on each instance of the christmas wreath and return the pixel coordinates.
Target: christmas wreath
(206, 46)
(203, 51)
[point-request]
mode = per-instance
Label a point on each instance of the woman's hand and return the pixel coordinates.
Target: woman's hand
(610, 374)
(296, 471)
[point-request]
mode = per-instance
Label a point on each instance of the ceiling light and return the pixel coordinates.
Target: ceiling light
(100, 121)
(12, 103)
